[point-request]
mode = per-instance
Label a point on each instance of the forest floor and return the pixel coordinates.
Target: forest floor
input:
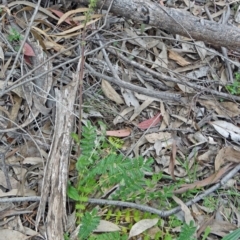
(125, 130)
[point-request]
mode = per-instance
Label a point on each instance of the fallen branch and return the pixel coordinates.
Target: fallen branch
(174, 21)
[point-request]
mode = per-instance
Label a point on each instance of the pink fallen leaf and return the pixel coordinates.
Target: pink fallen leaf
(28, 51)
(151, 122)
(119, 133)
(59, 14)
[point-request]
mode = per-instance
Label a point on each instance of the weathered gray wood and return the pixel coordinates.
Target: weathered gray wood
(56, 169)
(175, 21)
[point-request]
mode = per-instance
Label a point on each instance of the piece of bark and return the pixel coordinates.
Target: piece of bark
(56, 169)
(174, 21)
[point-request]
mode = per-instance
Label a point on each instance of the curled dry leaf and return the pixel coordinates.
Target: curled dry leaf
(119, 133)
(142, 226)
(151, 122)
(65, 16)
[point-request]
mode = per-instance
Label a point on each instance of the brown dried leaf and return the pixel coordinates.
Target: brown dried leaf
(153, 137)
(110, 92)
(222, 108)
(173, 159)
(179, 59)
(226, 154)
(66, 15)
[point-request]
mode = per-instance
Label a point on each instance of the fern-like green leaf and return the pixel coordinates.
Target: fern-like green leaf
(187, 231)
(72, 192)
(89, 222)
(235, 235)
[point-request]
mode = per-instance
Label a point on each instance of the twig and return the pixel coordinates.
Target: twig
(148, 92)
(171, 79)
(161, 213)
(19, 83)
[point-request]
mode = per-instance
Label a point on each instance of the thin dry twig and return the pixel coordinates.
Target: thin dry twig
(161, 213)
(171, 79)
(148, 92)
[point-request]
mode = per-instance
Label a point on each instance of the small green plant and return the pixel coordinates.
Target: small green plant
(234, 88)
(190, 170)
(14, 35)
(174, 222)
(99, 169)
(210, 203)
(92, 5)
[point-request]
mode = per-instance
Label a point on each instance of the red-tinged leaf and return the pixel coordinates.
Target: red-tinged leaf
(28, 51)
(150, 122)
(27, 60)
(59, 14)
(119, 133)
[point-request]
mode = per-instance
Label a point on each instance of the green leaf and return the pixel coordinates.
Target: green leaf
(235, 235)
(206, 233)
(75, 137)
(83, 199)
(89, 222)
(80, 206)
(72, 193)
(187, 231)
